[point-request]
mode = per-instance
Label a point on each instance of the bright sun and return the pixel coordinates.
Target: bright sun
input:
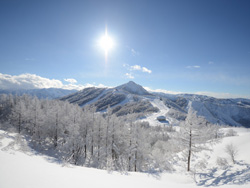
(106, 43)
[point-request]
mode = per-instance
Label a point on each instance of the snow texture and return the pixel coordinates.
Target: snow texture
(23, 167)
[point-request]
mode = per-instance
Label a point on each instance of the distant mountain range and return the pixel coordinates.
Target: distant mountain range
(133, 98)
(50, 93)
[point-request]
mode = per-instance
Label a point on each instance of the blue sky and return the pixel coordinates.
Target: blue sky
(193, 46)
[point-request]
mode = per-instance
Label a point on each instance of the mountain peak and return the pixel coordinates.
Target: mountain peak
(131, 82)
(133, 88)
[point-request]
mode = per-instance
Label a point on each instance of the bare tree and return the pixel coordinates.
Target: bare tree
(232, 151)
(194, 135)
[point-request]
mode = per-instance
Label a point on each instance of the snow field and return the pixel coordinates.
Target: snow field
(232, 175)
(22, 167)
(27, 170)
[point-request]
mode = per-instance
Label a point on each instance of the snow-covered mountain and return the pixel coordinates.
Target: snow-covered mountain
(50, 93)
(133, 88)
(234, 112)
(124, 99)
(133, 98)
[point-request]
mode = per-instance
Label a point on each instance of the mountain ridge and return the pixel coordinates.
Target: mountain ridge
(133, 98)
(133, 88)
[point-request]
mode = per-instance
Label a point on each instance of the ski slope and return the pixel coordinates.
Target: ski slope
(163, 109)
(20, 166)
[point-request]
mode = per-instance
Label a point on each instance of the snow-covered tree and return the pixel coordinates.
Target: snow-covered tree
(232, 151)
(82, 136)
(194, 135)
(18, 113)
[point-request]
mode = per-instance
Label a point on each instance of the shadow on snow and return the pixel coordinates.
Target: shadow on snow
(233, 175)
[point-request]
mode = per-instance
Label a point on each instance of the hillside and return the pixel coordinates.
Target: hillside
(124, 99)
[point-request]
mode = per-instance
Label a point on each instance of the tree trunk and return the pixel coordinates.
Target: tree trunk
(92, 136)
(19, 123)
(86, 140)
(56, 136)
(99, 143)
(130, 146)
(113, 143)
(136, 160)
(107, 137)
(189, 150)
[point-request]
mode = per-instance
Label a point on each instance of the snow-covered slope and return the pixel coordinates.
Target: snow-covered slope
(163, 110)
(23, 167)
(127, 97)
(132, 87)
(130, 96)
(217, 173)
(235, 112)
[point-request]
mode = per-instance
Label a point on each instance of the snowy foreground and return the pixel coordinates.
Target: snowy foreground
(20, 166)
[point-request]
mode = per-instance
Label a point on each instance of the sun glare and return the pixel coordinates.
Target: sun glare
(106, 43)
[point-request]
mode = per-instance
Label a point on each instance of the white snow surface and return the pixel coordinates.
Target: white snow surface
(23, 167)
(163, 110)
(231, 175)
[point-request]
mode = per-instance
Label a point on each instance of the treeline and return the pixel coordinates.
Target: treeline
(83, 137)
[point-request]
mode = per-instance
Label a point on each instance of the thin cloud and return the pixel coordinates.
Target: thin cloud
(139, 68)
(135, 67)
(134, 53)
(207, 93)
(197, 67)
(221, 95)
(210, 62)
(193, 67)
(129, 75)
(144, 69)
(162, 91)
